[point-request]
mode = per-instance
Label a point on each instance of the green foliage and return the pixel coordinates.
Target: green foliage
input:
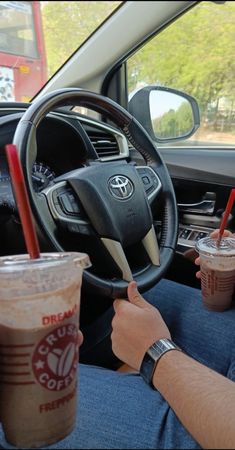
(195, 54)
(69, 23)
(174, 123)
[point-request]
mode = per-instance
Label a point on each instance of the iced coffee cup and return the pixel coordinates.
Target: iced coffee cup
(217, 265)
(39, 346)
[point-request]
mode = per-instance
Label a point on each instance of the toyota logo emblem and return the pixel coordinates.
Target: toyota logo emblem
(121, 187)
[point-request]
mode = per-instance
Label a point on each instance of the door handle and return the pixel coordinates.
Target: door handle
(203, 207)
(206, 206)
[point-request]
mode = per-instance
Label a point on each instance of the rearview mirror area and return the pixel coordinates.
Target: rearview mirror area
(167, 114)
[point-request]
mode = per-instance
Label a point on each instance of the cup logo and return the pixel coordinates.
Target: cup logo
(55, 358)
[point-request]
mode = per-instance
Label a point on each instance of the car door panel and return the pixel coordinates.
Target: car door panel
(199, 177)
(205, 165)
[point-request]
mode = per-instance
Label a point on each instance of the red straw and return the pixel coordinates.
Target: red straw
(225, 215)
(22, 200)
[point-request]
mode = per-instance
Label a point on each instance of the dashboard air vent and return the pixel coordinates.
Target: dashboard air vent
(105, 143)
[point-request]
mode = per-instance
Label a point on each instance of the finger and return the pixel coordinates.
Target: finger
(118, 304)
(134, 296)
(80, 338)
(191, 254)
(215, 233)
(198, 275)
(197, 261)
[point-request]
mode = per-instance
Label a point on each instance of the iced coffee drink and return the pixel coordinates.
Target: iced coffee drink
(39, 345)
(217, 265)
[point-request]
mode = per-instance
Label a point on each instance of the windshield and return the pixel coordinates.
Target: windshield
(17, 33)
(36, 38)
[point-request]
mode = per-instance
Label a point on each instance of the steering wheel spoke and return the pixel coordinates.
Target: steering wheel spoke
(116, 251)
(151, 246)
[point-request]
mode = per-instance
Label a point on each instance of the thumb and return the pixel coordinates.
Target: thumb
(134, 296)
(80, 338)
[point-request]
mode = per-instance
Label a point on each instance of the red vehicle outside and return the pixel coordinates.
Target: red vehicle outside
(22, 52)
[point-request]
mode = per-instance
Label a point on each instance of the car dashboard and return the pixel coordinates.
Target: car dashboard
(62, 147)
(59, 134)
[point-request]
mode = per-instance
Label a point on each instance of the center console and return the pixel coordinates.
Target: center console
(188, 235)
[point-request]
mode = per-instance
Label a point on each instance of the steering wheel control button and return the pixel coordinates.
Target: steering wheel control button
(68, 205)
(66, 210)
(65, 204)
(145, 180)
(73, 227)
(150, 180)
(79, 228)
(74, 204)
(121, 187)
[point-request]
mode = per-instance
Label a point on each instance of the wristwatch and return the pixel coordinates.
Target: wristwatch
(152, 356)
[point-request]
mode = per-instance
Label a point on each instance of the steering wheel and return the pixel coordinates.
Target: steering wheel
(115, 205)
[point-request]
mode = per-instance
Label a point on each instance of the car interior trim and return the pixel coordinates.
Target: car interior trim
(48, 192)
(116, 251)
(151, 246)
(153, 175)
(121, 139)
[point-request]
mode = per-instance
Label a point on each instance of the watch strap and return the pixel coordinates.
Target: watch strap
(152, 356)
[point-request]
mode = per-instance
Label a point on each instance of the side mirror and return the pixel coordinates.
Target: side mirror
(167, 114)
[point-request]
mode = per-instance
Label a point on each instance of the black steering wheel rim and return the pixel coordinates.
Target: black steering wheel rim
(25, 140)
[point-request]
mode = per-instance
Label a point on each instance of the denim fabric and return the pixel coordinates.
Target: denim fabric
(207, 336)
(119, 411)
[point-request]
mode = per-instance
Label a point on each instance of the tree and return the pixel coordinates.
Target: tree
(69, 23)
(194, 54)
(174, 123)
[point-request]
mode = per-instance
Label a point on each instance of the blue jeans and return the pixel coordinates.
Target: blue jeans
(119, 411)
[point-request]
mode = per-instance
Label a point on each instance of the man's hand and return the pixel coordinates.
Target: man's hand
(80, 338)
(213, 235)
(136, 326)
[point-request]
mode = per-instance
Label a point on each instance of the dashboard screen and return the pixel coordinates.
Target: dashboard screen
(42, 176)
(6, 193)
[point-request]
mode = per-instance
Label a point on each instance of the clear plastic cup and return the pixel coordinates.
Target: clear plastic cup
(217, 265)
(39, 346)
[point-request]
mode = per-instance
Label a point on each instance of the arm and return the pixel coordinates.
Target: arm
(203, 400)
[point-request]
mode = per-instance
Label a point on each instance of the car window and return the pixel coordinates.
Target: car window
(195, 54)
(36, 38)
